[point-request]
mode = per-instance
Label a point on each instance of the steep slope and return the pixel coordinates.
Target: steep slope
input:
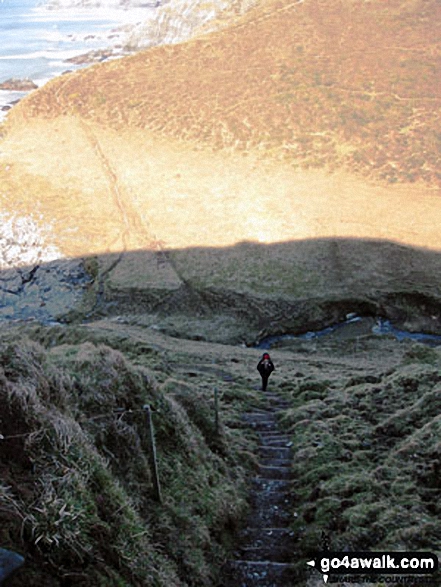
(142, 158)
(205, 144)
(77, 496)
(316, 83)
(361, 417)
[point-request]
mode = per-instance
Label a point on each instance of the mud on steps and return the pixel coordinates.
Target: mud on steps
(266, 545)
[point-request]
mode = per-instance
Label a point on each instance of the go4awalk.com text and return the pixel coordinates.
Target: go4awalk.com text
(389, 564)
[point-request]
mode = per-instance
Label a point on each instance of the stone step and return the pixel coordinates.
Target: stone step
(274, 400)
(267, 536)
(269, 472)
(271, 502)
(257, 416)
(270, 516)
(275, 408)
(273, 462)
(267, 544)
(262, 426)
(266, 410)
(278, 441)
(281, 403)
(274, 452)
(243, 573)
(271, 485)
(279, 553)
(281, 499)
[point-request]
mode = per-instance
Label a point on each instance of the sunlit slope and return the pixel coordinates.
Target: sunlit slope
(103, 190)
(300, 121)
(316, 83)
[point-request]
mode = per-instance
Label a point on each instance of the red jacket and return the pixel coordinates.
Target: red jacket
(265, 366)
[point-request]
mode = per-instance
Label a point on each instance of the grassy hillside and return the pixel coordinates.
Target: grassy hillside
(372, 448)
(269, 178)
(252, 290)
(76, 494)
(329, 84)
(299, 121)
(77, 498)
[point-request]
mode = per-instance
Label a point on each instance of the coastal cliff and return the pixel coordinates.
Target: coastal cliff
(170, 21)
(243, 135)
(278, 176)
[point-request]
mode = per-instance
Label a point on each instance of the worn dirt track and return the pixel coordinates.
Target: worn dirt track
(132, 190)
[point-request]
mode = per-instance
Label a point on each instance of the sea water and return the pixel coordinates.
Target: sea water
(36, 42)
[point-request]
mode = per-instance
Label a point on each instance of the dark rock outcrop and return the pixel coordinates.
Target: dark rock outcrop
(91, 57)
(18, 85)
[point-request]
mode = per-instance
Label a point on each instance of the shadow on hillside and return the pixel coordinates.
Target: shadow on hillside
(347, 423)
(269, 288)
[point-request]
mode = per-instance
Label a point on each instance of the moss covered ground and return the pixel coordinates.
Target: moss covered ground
(76, 494)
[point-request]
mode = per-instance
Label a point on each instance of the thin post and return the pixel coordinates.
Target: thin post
(216, 410)
(152, 454)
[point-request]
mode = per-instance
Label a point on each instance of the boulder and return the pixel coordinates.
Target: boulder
(91, 57)
(18, 85)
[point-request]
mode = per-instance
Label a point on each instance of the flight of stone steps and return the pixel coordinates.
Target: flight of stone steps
(266, 546)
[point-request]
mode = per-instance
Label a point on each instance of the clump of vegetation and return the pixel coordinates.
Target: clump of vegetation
(76, 496)
(372, 446)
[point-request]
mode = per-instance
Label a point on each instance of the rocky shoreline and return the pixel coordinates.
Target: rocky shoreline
(86, 47)
(168, 22)
(34, 282)
(16, 88)
(18, 85)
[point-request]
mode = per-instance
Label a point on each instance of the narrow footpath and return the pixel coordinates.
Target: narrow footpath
(266, 545)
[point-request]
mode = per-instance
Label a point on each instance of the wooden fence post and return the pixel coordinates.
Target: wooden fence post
(152, 454)
(216, 410)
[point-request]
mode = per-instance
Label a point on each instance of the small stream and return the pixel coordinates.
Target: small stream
(354, 326)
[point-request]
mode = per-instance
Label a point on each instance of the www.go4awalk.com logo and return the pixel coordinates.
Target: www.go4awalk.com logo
(375, 563)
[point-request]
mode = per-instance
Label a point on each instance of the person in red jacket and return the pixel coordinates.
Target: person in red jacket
(265, 367)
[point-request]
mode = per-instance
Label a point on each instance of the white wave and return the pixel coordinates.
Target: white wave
(56, 65)
(40, 81)
(111, 15)
(53, 36)
(47, 54)
(8, 96)
(25, 240)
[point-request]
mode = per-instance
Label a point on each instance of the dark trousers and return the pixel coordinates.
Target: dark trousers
(265, 378)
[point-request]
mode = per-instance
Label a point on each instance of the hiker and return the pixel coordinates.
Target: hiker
(265, 368)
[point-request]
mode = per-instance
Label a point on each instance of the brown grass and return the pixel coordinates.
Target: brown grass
(258, 132)
(76, 494)
(317, 84)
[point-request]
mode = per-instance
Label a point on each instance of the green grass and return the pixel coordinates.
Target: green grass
(366, 458)
(364, 423)
(74, 427)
